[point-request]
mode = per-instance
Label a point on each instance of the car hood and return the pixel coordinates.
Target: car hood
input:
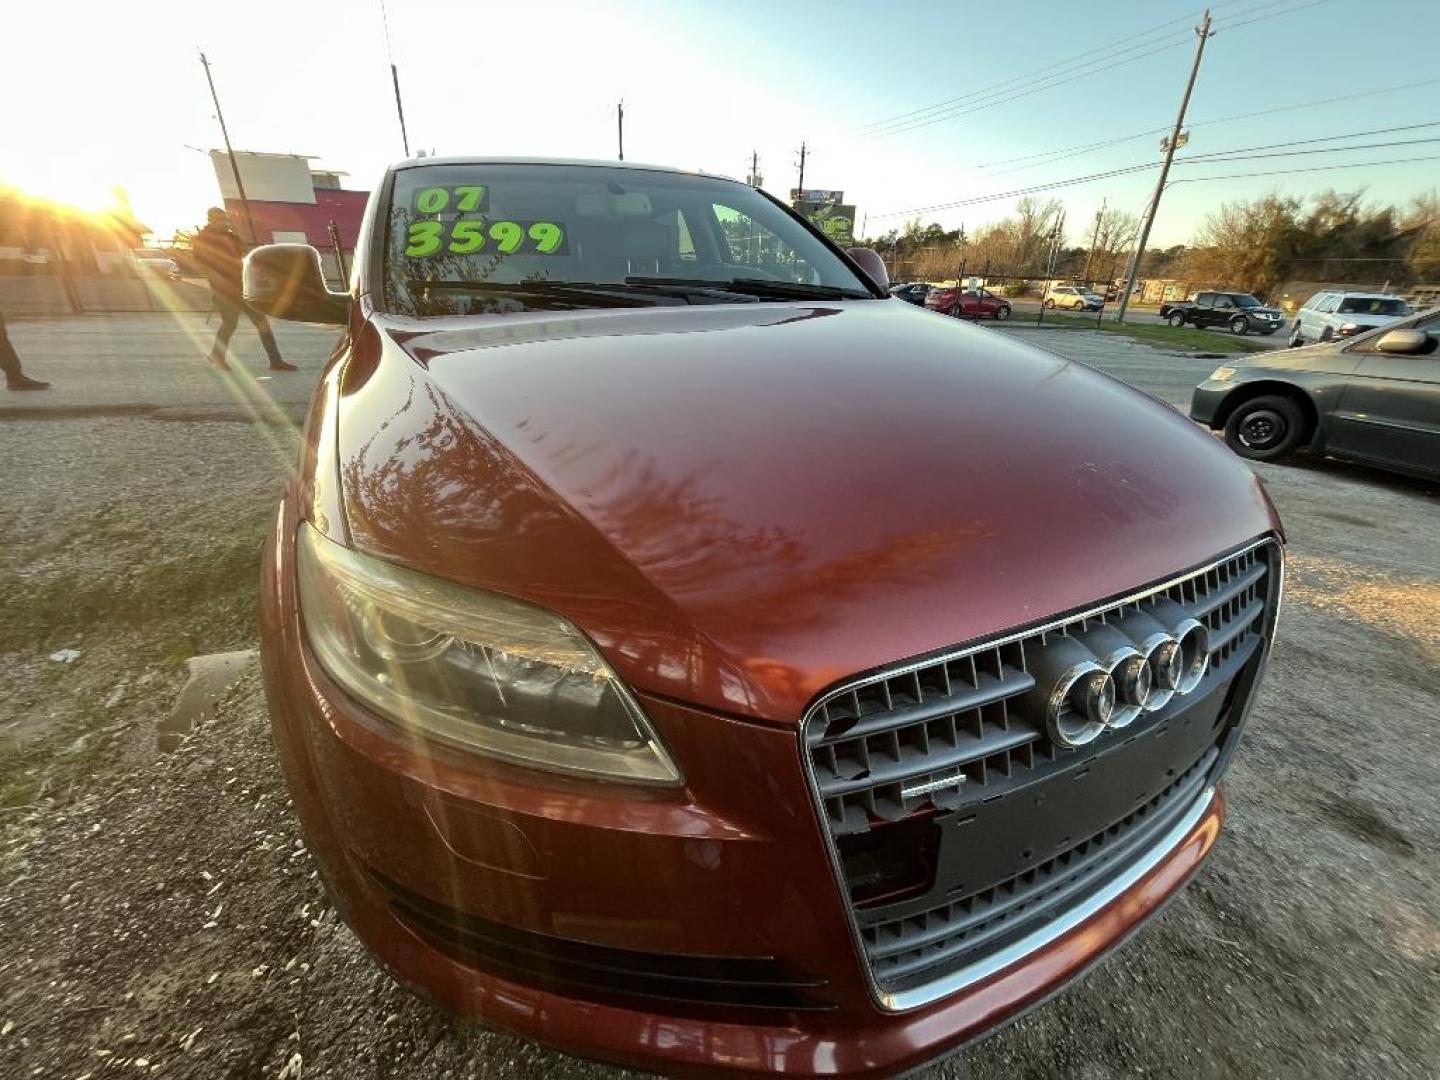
(742, 504)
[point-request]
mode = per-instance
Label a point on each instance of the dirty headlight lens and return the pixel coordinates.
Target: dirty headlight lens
(476, 670)
(1221, 374)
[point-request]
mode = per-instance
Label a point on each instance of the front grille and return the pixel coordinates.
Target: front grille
(918, 772)
(955, 931)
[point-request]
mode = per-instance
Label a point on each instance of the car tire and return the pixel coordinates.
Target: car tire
(1240, 325)
(1002, 312)
(1079, 305)
(1265, 428)
(955, 311)
(1328, 334)
(1049, 305)
(1176, 318)
(1296, 338)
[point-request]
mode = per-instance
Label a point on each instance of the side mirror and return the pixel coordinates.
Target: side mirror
(286, 281)
(1406, 342)
(873, 265)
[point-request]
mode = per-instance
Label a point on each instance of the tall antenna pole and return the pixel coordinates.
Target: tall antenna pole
(394, 79)
(400, 109)
(234, 165)
(1090, 255)
(802, 169)
(620, 126)
(754, 168)
(1204, 32)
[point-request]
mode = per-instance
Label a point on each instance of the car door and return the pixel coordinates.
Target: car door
(1389, 410)
(1220, 311)
(1203, 309)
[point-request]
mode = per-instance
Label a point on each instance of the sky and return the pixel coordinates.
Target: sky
(707, 82)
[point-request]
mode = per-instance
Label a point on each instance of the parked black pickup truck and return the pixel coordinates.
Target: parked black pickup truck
(1241, 312)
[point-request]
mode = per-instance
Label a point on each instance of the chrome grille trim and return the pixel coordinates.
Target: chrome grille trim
(998, 961)
(1212, 596)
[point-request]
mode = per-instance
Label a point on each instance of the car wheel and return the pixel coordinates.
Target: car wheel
(1049, 304)
(954, 311)
(1079, 305)
(1176, 318)
(1002, 312)
(1265, 428)
(1327, 334)
(1296, 340)
(1240, 325)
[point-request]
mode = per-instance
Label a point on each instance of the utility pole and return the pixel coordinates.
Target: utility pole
(1204, 32)
(754, 178)
(620, 121)
(234, 165)
(400, 109)
(801, 185)
(1090, 255)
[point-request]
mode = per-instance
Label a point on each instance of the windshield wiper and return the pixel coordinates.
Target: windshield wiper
(600, 293)
(763, 288)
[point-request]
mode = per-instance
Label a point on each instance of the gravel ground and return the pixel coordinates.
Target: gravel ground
(162, 916)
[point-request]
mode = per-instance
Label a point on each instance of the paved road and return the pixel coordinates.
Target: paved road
(100, 364)
(1168, 376)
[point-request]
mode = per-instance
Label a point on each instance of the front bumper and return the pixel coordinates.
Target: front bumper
(698, 933)
(1207, 401)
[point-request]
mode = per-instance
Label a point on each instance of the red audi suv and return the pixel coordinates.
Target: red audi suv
(681, 653)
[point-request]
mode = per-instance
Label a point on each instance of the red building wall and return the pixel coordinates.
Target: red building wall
(345, 208)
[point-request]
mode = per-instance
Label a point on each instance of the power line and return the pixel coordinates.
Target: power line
(1047, 70)
(1040, 73)
(1027, 90)
(1024, 86)
(1064, 152)
(1287, 11)
(1313, 168)
(1215, 158)
(1318, 139)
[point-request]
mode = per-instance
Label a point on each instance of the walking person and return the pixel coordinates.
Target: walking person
(15, 379)
(219, 253)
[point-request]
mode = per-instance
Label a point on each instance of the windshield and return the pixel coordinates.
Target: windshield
(494, 238)
(1373, 305)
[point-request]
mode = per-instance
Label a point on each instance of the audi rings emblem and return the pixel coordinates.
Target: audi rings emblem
(1108, 675)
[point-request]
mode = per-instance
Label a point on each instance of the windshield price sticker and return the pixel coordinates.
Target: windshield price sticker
(464, 198)
(468, 236)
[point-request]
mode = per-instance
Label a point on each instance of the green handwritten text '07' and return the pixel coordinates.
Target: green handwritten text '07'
(466, 198)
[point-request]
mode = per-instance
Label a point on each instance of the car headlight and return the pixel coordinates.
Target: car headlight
(1348, 328)
(1221, 374)
(475, 670)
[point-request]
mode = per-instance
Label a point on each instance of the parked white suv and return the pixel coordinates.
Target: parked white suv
(1328, 315)
(1076, 297)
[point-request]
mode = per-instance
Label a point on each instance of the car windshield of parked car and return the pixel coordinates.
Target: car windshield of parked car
(1373, 305)
(498, 238)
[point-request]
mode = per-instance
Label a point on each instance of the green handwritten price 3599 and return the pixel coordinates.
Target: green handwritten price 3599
(466, 236)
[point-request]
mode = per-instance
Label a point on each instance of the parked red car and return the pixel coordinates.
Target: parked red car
(680, 655)
(968, 303)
